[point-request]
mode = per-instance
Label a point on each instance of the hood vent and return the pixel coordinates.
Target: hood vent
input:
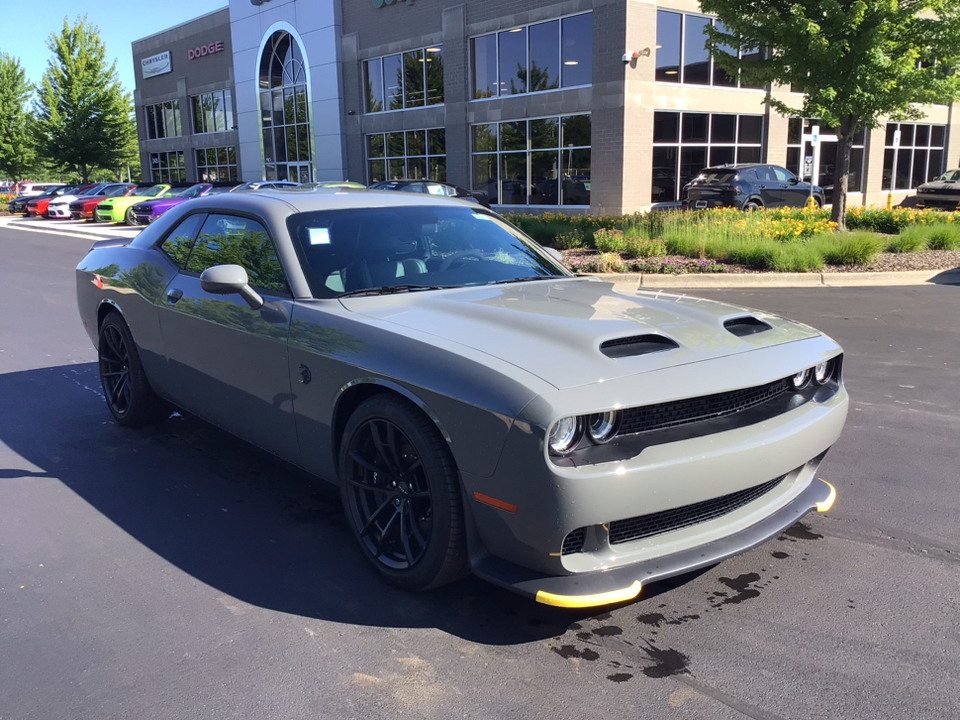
(745, 325)
(636, 345)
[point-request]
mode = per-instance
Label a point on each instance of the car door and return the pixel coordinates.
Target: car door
(794, 192)
(227, 362)
(768, 187)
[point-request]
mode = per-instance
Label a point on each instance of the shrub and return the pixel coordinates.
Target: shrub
(796, 257)
(568, 240)
(609, 241)
(610, 263)
(910, 240)
(944, 237)
(856, 248)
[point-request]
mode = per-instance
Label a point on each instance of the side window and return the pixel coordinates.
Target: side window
(413, 187)
(178, 243)
(782, 175)
(234, 240)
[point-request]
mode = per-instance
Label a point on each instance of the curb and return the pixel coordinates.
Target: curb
(785, 280)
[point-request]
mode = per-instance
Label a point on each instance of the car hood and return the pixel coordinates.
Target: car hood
(940, 186)
(65, 199)
(554, 329)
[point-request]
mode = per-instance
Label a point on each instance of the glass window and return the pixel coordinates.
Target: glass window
(920, 157)
(668, 46)
(721, 76)
(484, 52)
(696, 57)
(393, 82)
(233, 240)
(683, 146)
(178, 243)
(373, 82)
(723, 128)
(544, 161)
(577, 50)
(545, 56)
(284, 110)
(434, 67)
(411, 154)
(513, 61)
(413, 79)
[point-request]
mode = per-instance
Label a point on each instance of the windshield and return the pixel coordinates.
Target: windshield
(153, 191)
(950, 176)
(418, 247)
(188, 192)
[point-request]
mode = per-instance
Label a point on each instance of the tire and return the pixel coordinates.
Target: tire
(130, 218)
(817, 204)
(129, 396)
(750, 205)
(401, 494)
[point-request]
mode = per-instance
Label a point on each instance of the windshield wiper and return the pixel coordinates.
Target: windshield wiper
(390, 290)
(524, 279)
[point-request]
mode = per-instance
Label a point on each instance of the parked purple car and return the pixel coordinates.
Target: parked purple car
(149, 210)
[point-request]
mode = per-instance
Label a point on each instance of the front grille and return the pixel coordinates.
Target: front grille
(645, 526)
(573, 542)
(692, 410)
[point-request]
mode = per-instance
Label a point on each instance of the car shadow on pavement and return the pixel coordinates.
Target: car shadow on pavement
(238, 519)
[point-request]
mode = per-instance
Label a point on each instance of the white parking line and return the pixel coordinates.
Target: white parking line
(68, 228)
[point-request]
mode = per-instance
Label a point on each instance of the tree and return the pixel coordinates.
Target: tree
(83, 114)
(17, 154)
(854, 60)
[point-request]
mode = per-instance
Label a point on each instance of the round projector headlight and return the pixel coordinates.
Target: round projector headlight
(801, 379)
(821, 373)
(602, 427)
(564, 435)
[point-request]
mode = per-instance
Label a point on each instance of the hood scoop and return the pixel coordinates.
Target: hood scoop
(745, 325)
(636, 345)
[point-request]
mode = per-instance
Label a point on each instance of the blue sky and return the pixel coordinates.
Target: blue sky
(24, 33)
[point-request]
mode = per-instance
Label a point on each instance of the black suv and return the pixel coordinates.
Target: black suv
(748, 186)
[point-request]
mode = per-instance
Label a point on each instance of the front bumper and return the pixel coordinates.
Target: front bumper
(621, 584)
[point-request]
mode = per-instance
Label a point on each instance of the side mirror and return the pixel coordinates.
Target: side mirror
(793, 181)
(230, 279)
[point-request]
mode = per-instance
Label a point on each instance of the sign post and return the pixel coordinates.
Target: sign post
(893, 173)
(814, 161)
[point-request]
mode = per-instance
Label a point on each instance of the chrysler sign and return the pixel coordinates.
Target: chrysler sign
(156, 64)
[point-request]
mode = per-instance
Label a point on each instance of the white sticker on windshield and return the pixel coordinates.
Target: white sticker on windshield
(318, 236)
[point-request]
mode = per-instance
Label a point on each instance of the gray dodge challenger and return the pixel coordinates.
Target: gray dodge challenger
(480, 407)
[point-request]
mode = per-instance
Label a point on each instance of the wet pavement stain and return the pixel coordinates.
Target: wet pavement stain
(619, 677)
(780, 555)
(800, 531)
(653, 619)
(667, 661)
(608, 631)
(741, 585)
(569, 651)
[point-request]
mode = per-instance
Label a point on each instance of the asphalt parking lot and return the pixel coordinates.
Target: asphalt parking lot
(177, 573)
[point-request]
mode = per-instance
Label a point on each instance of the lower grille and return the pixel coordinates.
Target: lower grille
(573, 542)
(644, 526)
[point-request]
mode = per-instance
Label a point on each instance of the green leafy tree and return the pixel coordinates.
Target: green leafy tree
(855, 61)
(17, 154)
(83, 115)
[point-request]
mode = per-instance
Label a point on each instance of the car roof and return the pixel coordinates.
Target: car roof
(271, 201)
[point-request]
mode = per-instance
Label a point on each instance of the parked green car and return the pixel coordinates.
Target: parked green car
(119, 209)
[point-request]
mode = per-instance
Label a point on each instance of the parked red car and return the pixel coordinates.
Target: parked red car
(37, 206)
(82, 208)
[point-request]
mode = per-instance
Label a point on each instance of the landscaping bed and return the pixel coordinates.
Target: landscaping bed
(730, 241)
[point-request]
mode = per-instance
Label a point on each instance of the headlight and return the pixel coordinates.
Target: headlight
(822, 372)
(602, 427)
(801, 379)
(564, 435)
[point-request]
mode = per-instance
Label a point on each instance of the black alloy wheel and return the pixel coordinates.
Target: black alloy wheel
(129, 396)
(401, 493)
(750, 205)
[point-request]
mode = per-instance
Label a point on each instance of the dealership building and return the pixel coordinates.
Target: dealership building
(601, 106)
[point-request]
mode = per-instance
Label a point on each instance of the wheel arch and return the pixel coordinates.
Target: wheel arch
(355, 392)
(107, 306)
(753, 199)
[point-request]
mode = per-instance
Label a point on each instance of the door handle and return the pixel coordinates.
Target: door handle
(173, 297)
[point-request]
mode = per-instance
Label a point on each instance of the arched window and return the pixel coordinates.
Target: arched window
(285, 110)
